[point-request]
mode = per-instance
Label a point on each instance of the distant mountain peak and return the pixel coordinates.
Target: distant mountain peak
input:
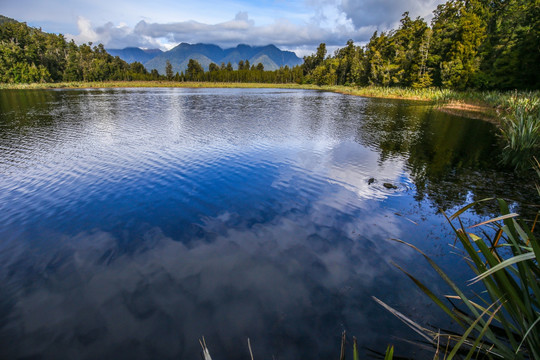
(269, 55)
(133, 54)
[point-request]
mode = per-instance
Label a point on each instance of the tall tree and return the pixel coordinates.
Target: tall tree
(312, 61)
(459, 28)
(512, 48)
(168, 70)
(194, 70)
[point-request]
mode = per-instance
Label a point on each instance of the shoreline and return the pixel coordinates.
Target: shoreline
(442, 99)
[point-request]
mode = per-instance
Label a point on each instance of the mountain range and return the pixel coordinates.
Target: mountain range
(270, 56)
(133, 54)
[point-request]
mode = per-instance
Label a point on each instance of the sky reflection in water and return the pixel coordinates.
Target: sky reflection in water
(134, 221)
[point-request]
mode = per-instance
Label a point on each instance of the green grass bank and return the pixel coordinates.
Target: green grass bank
(486, 104)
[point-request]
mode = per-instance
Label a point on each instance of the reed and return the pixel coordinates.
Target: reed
(503, 321)
(521, 131)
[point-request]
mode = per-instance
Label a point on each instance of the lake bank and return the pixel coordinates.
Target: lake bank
(473, 104)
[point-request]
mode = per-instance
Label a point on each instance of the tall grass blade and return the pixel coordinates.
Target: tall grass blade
(249, 347)
(470, 330)
(205, 352)
(527, 334)
(420, 330)
(355, 349)
(343, 342)
(389, 353)
(465, 208)
(480, 336)
(503, 217)
(502, 265)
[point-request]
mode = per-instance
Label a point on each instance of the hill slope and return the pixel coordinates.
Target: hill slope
(270, 56)
(133, 54)
(5, 19)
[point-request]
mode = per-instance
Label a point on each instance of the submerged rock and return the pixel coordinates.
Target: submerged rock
(371, 181)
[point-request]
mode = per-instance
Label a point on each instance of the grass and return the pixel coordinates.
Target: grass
(521, 130)
(388, 355)
(488, 99)
(503, 321)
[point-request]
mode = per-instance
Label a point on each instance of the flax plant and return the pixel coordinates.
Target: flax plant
(521, 131)
(503, 322)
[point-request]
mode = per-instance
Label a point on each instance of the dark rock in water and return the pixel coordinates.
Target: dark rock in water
(389, 186)
(371, 181)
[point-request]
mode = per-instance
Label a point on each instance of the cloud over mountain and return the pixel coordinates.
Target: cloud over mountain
(330, 21)
(241, 29)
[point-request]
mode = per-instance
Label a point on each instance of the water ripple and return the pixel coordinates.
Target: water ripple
(134, 220)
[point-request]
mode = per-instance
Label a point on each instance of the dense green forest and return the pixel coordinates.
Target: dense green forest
(480, 44)
(470, 44)
(29, 55)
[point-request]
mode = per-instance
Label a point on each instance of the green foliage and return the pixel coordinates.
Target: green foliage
(28, 55)
(389, 355)
(4, 19)
(459, 29)
(503, 320)
(521, 130)
(471, 44)
(194, 70)
(246, 73)
(311, 62)
(168, 70)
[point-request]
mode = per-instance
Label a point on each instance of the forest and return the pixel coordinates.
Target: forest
(470, 44)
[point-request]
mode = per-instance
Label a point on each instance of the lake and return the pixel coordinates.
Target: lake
(135, 221)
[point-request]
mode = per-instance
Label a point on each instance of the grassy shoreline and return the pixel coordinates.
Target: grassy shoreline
(488, 105)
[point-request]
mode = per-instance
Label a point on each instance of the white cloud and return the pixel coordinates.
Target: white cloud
(282, 32)
(332, 22)
(385, 14)
(112, 36)
(86, 33)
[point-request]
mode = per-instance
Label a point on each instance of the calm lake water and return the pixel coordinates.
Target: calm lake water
(135, 221)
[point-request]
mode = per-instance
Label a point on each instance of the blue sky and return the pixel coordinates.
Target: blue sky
(293, 25)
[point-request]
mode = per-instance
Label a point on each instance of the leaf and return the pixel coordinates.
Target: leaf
(527, 333)
(470, 329)
(465, 208)
(503, 217)
(389, 353)
(413, 325)
(481, 335)
(502, 265)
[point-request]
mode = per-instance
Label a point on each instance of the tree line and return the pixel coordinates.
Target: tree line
(245, 73)
(29, 55)
(479, 44)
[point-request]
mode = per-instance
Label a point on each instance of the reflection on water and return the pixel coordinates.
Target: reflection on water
(132, 222)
